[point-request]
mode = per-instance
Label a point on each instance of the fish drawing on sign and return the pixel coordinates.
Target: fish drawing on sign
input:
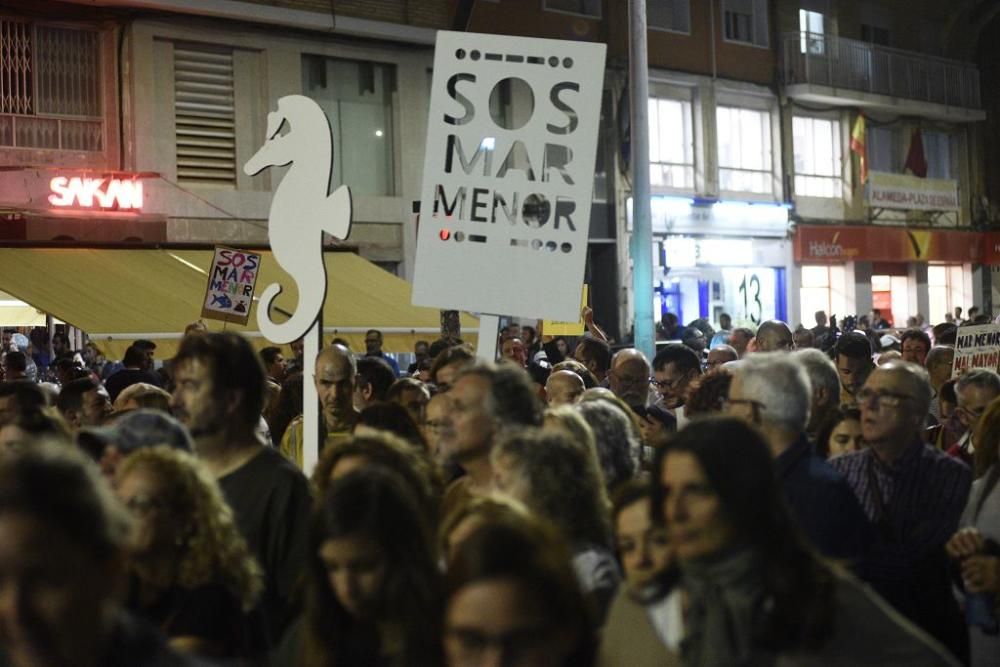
(222, 300)
(302, 209)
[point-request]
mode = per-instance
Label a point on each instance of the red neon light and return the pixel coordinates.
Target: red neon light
(116, 193)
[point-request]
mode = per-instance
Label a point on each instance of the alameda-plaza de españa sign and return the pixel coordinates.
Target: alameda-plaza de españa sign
(505, 207)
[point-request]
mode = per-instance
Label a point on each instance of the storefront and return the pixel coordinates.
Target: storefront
(81, 247)
(900, 271)
(714, 257)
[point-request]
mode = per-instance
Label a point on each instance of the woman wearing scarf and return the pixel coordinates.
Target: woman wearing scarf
(744, 587)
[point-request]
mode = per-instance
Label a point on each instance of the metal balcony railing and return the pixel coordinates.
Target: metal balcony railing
(851, 64)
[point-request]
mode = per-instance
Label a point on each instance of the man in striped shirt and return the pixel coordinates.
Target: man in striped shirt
(913, 494)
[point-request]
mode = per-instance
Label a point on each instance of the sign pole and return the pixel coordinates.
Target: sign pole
(311, 344)
(642, 231)
(489, 327)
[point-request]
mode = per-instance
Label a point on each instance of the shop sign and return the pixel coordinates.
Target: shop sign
(112, 193)
(231, 282)
(681, 252)
(885, 244)
(977, 347)
(508, 175)
(902, 191)
(683, 215)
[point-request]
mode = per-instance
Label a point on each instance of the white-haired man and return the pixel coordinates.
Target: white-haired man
(772, 392)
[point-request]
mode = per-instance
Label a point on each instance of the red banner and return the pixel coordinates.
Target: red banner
(835, 244)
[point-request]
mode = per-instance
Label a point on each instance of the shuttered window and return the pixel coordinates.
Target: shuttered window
(205, 115)
(50, 87)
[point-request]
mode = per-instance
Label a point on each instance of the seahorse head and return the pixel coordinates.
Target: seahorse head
(308, 135)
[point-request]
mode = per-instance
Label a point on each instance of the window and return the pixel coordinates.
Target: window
(50, 87)
(744, 137)
(874, 34)
(945, 290)
(745, 21)
(671, 144)
(816, 144)
(823, 288)
(591, 8)
(811, 31)
(883, 150)
(204, 115)
(357, 98)
(672, 15)
(938, 153)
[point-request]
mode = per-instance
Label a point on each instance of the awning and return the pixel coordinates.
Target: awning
(120, 295)
(16, 313)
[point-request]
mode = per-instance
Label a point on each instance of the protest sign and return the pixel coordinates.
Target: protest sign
(575, 328)
(977, 347)
(231, 282)
(508, 175)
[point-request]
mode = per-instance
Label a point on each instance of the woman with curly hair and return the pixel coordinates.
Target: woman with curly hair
(373, 589)
(559, 480)
(192, 574)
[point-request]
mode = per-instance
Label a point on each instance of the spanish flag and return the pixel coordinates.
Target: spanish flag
(858, 146)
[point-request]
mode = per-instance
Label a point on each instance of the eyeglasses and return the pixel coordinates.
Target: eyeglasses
(882, 398)
(666, 384)
(972, 415)
(435, 425)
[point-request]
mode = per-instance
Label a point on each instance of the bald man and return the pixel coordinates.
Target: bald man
(629, 377)
(335, 377)
(563, 388)
(721, 354)
(774, 336)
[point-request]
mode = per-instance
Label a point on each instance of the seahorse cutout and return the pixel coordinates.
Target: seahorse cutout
(301, 210)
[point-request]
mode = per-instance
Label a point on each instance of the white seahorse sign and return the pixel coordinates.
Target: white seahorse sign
(302, 209)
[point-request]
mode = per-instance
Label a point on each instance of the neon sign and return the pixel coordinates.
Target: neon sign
(123, 194)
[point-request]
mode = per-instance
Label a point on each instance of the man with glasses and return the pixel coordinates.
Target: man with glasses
(674, 367)
(914, 345)
(629, 377)
(771, 391)
(975, 390)
(913, 495)
(718, 356)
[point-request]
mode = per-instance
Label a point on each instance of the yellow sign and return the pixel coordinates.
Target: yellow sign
(550, 328)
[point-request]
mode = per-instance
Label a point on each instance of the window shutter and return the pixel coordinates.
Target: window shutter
(205, 116)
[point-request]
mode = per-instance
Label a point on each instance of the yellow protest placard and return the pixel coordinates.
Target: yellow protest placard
(550, 328)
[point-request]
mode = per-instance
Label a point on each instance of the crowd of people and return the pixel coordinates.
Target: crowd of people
(747, 496)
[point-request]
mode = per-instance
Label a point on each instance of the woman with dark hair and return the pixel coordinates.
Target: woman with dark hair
(747, 588)
(383, 450)
(392, 418)
(642, 547)
(840, 433)
(373, 594)
(512, 600)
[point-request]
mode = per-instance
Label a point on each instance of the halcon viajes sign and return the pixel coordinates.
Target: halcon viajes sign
(508, 174)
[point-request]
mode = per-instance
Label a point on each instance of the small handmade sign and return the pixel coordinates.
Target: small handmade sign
(231, 282)
(977, 347)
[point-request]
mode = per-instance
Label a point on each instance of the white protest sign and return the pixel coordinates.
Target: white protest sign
(508, 175)
(231, 282)
(977, 347)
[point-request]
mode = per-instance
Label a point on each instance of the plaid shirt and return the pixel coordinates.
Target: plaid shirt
(914, 504)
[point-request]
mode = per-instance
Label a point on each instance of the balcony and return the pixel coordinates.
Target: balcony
(847, 72)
